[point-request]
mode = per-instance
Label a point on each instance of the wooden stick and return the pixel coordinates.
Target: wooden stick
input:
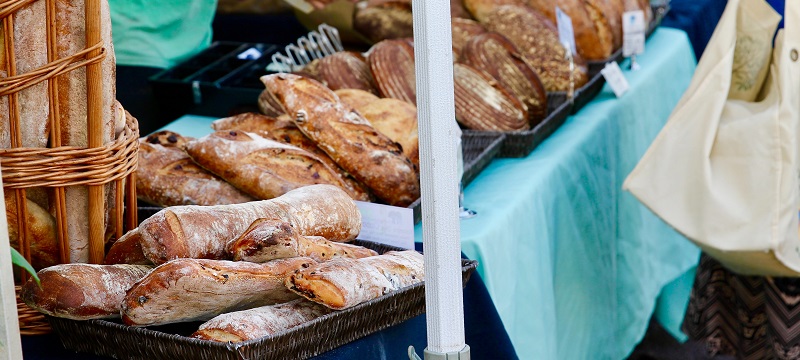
(94, 104)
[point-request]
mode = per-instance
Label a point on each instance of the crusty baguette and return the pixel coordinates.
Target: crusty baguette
(371, 157)
(127, 250)
(167, 176)
(204, 231)
(268, 239)
(355, 98)
(199, 289)
(42, 228)
(259, 322)
(82, 291)
(261, 167)
(397, 120)
(342, 283)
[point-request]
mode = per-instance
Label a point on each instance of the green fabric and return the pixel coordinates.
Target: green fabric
(574, 264)
(160, 33)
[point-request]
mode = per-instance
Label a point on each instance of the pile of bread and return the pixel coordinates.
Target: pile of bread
(248, 270)
(507, 55)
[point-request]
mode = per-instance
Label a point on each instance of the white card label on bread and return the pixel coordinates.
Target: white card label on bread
(390, 225)
(565, 33)
(633, 29)
(615, 79)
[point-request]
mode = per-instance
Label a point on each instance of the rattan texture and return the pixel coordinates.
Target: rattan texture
(328, 332)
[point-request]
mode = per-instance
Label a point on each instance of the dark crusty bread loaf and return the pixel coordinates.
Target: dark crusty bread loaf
(167, 176)
(127, 250)
(536, 38)
(204, 231)
(346, 70)
(82, 291)
(493, 54)
(342, 283)
(259, 322)
(268, 239)
(384, 20)
(392, 66)
(199, 289)
(372, 158)
(483, 104)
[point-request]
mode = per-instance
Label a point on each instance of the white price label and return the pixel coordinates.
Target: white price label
(390, 225)
(615, 78)
(565, 34)
(633, 29)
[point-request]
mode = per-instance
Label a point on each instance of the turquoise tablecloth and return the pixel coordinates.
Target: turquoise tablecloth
(575, 266)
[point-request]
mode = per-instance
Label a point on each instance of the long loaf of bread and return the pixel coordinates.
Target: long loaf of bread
(371, 157)
(259, 322)
(268, 239)
(342, 283)
(82, 291)
(127, 250)
(199, 289)
(204, 231)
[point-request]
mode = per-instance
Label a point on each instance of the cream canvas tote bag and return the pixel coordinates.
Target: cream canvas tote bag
(724, 169)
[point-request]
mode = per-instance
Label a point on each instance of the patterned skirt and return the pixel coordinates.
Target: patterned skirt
(748, 317)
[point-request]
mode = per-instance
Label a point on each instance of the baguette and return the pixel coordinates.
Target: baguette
(199, 289)
(127, 250)
(343, 283)
(259, 322)
(82, 291)
(372, 158)
(204, 231)
(267, 240)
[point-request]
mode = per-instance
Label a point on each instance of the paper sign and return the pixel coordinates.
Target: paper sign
(390, 225)
(633, 29)
(565, 34)
(615, 79)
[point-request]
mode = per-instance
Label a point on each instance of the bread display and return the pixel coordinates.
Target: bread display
(268, 239)
(42, 229)
(82, 291)
(482, 104)
(593, 36)
(355, 98)
(381, 20)
(199, 289)
(167, 176)
(349, 139)
(397, 120)
(342, 283)
(495, 55)
(463, 31)
(346, 70)
(537, 39)
(392, 66)
(127, 250)
(204, 231)
(259, 322)
(480, 9)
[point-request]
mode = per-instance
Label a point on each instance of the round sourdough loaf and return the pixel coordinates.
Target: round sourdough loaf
(383, 20)
(483, 104)
(346, 70)
(592, 36)
(480, 9)
(463, 31)
(392, 66)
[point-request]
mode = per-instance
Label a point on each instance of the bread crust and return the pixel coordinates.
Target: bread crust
(384, 20)
(355, 98)
(392, 65)
(483, 104)
(42, 227)
(127, 250)
(463, 31)
(346, 70)
(397, 120)
(593, 38)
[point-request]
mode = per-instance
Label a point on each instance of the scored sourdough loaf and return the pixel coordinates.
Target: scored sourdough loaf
(392, 66)
(259, 322)
(355, 98)
(261, 167)
(537, 39)
(493, 54)
(372, 158)
(199, 289)
(268, 239)
(127, 250)
(346, 70)
(82, 291)
(397, 120)
(167, 176)
(463, 31)
(594, 38)
(343, 283)
(383, 20)
(483, 104)
(204, 231)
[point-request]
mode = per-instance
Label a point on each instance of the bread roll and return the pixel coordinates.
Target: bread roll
(593, 36)
(397, 120)
(463, 31)
(260, 167)
(127, 250)
(493, 54)
(204, 231)
(259, 322)
(384, 20)
(82, 291)
(343, 283)
(199, 289)
(537, 39)
(42, 228)
(268, 239)
(346, 70)
(480, 9)
(392, 66)
(167, 176)
(349, 139)
(355, 98)
(482, 104)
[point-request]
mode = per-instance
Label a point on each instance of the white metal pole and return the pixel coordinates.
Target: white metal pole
(438, 134)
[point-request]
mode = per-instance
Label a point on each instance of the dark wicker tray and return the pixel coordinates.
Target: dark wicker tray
(114, 339)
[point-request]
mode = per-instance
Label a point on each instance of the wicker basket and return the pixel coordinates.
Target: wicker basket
(57, 167)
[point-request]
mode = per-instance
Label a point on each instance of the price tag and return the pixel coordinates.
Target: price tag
(565, 34)
(633, 29)
(615, 78)
(390, 225)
